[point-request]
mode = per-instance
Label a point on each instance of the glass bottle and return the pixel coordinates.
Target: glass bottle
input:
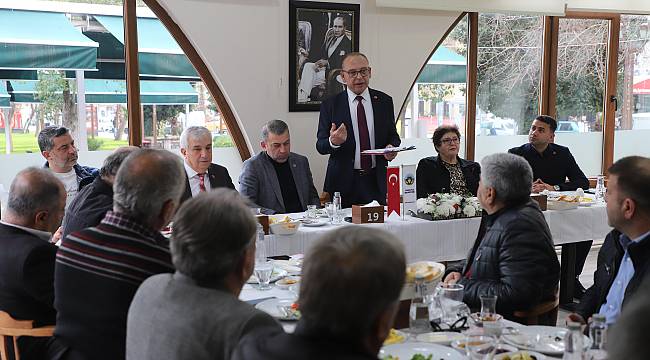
(260, 246)
(419, 311)
(573, 342)
(337, 208)
(600, 188)
(598, 336)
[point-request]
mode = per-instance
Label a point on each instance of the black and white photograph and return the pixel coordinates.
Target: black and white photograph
(320, 35)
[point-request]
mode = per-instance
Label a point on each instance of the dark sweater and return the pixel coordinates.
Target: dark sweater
(88, 207)
(98, 271)
(287, 186)
(554, 166)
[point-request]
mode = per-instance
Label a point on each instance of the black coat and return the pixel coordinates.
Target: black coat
(340, 166)
(26, 276)
(513, 258)
(88, 208)
(433, 177)
(273, 344)
(609, 260)
(218, 176)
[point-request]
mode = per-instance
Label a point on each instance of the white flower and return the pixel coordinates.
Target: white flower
(445, 209)
(469, 211)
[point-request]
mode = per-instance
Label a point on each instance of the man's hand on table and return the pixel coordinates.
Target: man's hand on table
(452, 278)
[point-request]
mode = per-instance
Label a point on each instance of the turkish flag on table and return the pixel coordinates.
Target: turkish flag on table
(392, 185)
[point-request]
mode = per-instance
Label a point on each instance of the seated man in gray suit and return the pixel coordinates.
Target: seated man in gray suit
(202, 174)
(195, 313)
(277, 180)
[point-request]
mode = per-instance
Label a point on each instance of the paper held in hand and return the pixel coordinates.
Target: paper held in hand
(387, 150)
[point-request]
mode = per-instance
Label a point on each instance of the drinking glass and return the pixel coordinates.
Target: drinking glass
(263, 271)
(311, 212)
(488, 316)
(329, 208)
(481, 347)
(451, 295)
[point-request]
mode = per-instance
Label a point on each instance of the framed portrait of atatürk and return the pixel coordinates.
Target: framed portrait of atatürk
(320, 35)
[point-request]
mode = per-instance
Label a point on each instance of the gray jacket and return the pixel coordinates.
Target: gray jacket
(259, 183)
(171, 318)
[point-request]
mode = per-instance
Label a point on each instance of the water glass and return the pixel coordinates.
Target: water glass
(263, 271)
(481, 347)
(312, 212)
(329, 208)
(451, 295)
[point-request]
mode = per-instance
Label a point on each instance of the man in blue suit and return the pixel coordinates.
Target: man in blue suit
(352, 121)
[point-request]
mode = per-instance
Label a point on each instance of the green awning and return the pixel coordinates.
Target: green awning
(4, 96)
(114, 92)
(444, 67)
(32, 40)
(158, 53)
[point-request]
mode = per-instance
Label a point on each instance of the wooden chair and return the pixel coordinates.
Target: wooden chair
(542, 314)
(11, 329)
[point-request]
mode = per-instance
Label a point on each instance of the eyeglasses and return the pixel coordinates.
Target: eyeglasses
(353, 73)
(450, 141)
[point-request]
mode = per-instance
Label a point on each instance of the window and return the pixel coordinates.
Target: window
(633, 88)
(438, 96)
(509, 68)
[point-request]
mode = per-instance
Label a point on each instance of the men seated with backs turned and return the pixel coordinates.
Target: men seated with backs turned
(278, 180)
(34, 211)
(57, 147)
(513, 256)
(201, 174)
(554, 169)
(195, 313)
(95, 200)
(99, 269)
(624, 258)
(349, 295)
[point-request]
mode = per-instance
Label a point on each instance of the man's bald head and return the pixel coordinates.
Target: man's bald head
(36, 200)
(146, 181)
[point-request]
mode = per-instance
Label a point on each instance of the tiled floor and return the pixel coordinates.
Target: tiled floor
(586, 278)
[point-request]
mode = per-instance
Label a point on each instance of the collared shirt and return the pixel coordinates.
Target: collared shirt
(195, 182)
(612, 306)
(43, 235)
(554, 165)
(370, 121)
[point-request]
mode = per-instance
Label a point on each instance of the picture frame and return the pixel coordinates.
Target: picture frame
(320, 35)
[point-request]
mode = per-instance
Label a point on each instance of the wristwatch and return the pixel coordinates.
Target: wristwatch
(556, 187)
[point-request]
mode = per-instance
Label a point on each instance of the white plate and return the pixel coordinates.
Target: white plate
(276, 275)
(441, 338)
(545, 339)
(313, 222)
(270, 307)
(283, 284)
(408, 349)
(462, 348)
(509, 355)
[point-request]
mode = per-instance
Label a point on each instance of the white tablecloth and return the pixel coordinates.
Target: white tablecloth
(448, 240)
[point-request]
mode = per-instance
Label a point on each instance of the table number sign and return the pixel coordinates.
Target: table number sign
(367, 214)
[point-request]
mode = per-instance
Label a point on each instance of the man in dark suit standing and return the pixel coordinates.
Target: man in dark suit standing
(350, 122)
(34, 211)
(202, 174)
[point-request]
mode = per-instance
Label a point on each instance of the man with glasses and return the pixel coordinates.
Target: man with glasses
(335, 46)
(278, 180)
(554, 169)
(351, 122)
(57, 147)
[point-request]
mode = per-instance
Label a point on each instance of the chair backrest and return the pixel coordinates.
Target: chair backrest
(11, 329)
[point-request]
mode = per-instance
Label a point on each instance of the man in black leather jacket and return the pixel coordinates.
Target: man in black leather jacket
(513, 256)
(624, 258)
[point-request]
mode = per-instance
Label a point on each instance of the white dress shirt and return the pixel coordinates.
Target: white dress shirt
(195, 182)
(370, 120)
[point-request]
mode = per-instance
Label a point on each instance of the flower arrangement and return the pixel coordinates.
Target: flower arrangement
(441, 206)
